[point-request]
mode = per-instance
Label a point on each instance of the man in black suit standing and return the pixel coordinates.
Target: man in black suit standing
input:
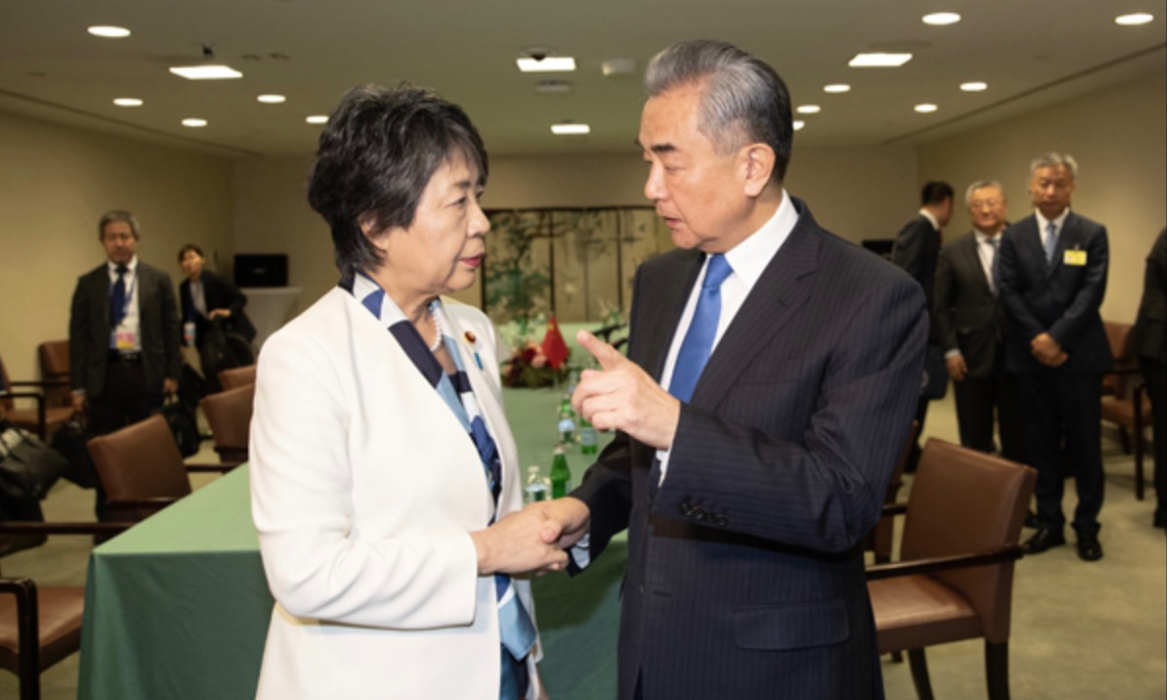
(1052, 277)
(971, 323)
(771, 375)
(916, 250)
(1151, 348)
(123, 332)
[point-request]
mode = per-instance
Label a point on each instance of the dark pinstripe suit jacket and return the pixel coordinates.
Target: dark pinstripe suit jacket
(1059, 299)
(745, 571)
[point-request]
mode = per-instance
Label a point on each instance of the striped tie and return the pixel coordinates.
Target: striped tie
(1051, 242)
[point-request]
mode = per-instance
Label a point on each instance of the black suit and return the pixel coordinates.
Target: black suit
(970, 318)
(1151, 347)
(915, 251)
(1060, 404)
(745, 570)
(218, 294)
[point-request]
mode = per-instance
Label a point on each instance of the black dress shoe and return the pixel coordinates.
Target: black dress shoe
(1031, 520)
(1160, 519)
(1089, 548)
(1042, 540)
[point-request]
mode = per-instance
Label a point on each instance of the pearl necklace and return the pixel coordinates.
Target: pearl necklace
(438, 326)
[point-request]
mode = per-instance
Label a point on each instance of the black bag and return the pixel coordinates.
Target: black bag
(192, 387)
(181, 419)
(28, 467)
(222, 348)
(72, 441)
(934, 384)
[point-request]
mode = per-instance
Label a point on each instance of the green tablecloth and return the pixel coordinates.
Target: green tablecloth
(178, 606)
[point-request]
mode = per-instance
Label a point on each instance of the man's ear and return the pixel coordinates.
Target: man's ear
(757, 161)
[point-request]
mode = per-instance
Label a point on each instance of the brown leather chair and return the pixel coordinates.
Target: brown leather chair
(229, 416)
(1123, 401)
(237, 377)
(40, 626)
(54, 359)
(955, 578)
(43, 419)
(141, 468)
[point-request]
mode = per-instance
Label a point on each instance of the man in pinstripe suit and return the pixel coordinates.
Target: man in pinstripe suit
(749, 485)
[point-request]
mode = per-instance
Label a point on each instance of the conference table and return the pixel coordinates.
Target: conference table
(178, 606)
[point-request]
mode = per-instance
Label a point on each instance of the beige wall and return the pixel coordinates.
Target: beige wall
(55, 183)
(271, 214)
(1119, 138)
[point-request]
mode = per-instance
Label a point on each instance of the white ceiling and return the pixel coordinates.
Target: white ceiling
(1030, 52)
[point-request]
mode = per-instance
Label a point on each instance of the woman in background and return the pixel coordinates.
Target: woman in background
(384, 480)
(205, 297)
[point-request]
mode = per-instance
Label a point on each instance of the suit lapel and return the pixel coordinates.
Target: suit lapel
(779, 293)
(972, 258)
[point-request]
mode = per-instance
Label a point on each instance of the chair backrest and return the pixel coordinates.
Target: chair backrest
(140, 461)
(237, 377)
(967, 502)
(54, 359)
(229, 416)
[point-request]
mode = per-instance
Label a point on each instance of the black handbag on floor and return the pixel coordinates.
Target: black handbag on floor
(71, 440)
(181, 419)
(28, 467)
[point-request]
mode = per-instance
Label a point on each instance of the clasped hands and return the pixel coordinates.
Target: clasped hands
(1047, 350)
(532, 540)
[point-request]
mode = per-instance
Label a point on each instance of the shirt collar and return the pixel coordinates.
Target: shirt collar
(132, 266)
(931, 219)
(1043, 223)
(750, 257)
(983, 237)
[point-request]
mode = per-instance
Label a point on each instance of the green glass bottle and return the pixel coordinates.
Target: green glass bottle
(587, 437)
(566, 423)
(560, 474)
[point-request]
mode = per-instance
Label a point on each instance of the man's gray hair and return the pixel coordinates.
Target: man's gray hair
(117, 215)
(980, 185)
(744, 101)
(1054, 159)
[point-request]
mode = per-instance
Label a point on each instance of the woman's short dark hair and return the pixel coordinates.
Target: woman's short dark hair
(376, 155)
(186, 249)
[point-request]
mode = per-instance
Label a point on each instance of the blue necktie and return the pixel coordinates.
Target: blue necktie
(698, 341)
(1051, 242)
(117, 298)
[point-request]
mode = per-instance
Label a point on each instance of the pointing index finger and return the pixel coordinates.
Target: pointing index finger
(608, 356)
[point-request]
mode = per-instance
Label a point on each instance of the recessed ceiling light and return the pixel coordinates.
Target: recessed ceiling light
(206, 72)
(1134, 19)
(570, 129)
(939, 19)
(837, 88)
(809, 109)
(271, 99)
(317, 119)
(194, 123)
(879, 60)
(798, 124)
(974, 86)
(925, 108)
(546, 65)
(108, 32)
(128, 102)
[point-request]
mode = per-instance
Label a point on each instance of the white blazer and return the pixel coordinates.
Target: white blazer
(364, 489)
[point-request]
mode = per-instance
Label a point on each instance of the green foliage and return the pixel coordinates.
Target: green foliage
(513, 289)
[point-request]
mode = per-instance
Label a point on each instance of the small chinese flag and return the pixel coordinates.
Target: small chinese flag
(554, 348)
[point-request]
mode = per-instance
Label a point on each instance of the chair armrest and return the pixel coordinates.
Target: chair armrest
(27, 625)
(15, 527)
(42, 382)
(220, 467)
(892, 509)
(935, 564)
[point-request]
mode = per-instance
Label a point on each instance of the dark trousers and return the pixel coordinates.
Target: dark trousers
(1155, 375)
(126, 399)
(981, 403)
(1063, 410)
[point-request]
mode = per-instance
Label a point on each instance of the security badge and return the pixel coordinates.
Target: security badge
(1076, 257)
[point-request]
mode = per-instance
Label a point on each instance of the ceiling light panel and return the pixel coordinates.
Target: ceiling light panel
(809, 109)
(271, 99)
(837, 88)
(1134, 19)
(570, 129)
(879, 60)
(317, 119)
(799, 124)
(127, 102)
(549, 64)
(926, 108)
(194, 123)
(974, 86)
(939, 19)
(206, 72)
(109, 32)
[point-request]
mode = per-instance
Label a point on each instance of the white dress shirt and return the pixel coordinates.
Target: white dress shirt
(1043, 225)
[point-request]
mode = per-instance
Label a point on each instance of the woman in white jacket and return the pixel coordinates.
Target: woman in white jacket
(384, 482)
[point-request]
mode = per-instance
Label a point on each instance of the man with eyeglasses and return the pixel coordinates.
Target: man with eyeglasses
(1052, 277)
